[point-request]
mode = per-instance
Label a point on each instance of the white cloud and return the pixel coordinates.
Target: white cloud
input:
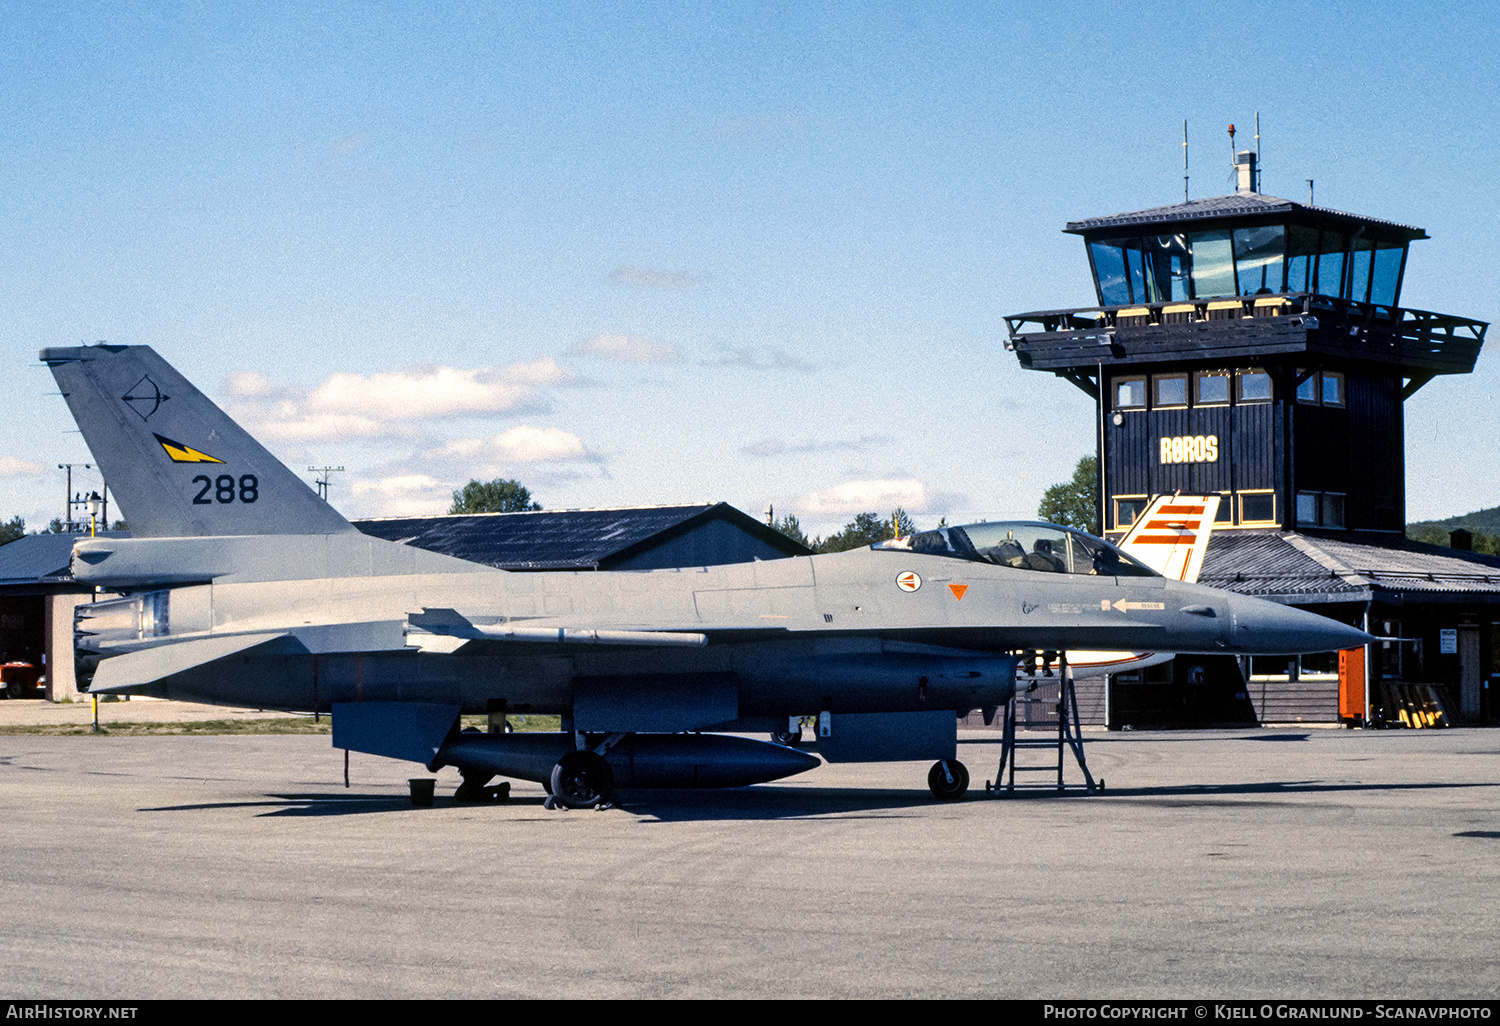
(12, 467)
(249, 383)
(400, 484)
(394, 403)
(523, 444)
(404, 495)
(875, 495)
(627, 349)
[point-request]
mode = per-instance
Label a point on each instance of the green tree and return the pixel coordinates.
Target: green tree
(1073, 503)
(12, 529)
(789, 526)
(867, 529)
(501, 495)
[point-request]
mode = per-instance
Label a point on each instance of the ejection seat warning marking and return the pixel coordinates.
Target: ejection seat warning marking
(908, 581)
(958, 590)
(184, 453)
(1123, 606)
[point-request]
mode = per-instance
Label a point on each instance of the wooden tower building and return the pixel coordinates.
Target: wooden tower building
(1257, 348)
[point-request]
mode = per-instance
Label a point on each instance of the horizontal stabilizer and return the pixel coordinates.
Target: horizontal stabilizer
(373, 636)
(123, 673)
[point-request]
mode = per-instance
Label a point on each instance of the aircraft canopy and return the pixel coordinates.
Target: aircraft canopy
(1025, 545)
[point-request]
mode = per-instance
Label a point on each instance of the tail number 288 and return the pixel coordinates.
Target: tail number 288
(225, 488)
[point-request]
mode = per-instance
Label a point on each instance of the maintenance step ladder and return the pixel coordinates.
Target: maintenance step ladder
(1049, 703)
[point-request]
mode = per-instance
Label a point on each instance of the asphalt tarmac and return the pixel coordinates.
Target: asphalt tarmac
(1271, 863)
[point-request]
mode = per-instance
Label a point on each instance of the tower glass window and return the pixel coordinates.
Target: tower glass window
(1329, 278)
(1213, 264)
(1385, 280)
(1259, 254)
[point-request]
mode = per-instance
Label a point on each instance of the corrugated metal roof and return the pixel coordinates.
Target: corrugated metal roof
(37, 558)
(569, 539)
(1239, 205)
(1305, 569)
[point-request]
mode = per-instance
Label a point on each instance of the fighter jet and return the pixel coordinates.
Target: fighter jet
(239, 585)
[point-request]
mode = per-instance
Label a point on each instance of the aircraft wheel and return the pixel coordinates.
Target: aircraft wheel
(948, 779)
(787, 737)
(581, 780)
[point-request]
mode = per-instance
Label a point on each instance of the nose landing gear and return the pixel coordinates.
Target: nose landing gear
(948, 779)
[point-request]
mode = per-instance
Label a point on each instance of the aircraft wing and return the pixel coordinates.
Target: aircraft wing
(141, 666)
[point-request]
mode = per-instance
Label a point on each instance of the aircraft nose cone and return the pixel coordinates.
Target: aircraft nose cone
(1268, 628)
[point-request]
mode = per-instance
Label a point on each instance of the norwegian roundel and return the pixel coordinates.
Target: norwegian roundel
(908, 580)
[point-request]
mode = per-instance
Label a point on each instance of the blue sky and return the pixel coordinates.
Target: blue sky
(635, 253)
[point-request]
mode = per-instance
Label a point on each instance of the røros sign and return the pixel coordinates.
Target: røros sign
(1190, 449)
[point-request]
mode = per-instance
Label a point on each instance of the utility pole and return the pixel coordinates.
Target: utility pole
(322, 482)
(69, 499)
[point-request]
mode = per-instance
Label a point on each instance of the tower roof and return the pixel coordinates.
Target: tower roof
(1238, 207)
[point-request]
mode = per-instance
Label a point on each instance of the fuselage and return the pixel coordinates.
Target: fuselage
(865, 631)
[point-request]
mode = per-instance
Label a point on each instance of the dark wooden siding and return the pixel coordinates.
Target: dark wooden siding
(1302, 701)
(1377, 487)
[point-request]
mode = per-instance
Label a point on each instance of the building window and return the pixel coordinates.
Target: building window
(1331, 509)
(1307, 508)
(1258, 507)
(1211, 388)
(1320, 509)
(1307, 388)
(1332, 390)
(1252, 385)
(1127, 508)
(1321, 388)
(1130, 393)
(1171, 390)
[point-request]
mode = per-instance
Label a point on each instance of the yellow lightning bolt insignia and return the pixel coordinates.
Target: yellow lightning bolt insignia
(184, 453)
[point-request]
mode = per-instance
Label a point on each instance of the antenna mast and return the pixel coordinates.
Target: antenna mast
(1184, 161)
(1259, 166)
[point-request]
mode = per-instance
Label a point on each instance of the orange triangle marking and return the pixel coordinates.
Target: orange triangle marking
(958, 590)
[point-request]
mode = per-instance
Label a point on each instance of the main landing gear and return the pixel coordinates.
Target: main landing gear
(948, 779)
(581, 780)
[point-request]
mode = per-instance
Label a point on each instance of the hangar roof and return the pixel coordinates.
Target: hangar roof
(620, 538)
(40, 558)
(1298, 568)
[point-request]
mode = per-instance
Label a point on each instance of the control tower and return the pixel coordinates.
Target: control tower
(1257, 348)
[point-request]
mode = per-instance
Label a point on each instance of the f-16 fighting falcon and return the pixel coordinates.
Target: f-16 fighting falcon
(239, 585)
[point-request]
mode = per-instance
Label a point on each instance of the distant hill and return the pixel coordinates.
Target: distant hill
(1486, 521)
(1483, 524)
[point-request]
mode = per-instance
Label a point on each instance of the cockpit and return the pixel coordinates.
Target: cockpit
(1025, 545)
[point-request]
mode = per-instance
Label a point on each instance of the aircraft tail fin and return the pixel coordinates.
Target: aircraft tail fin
(177, 464)
(1171, 536)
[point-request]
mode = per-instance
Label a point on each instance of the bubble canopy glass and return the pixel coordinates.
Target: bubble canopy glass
(1025, 545)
